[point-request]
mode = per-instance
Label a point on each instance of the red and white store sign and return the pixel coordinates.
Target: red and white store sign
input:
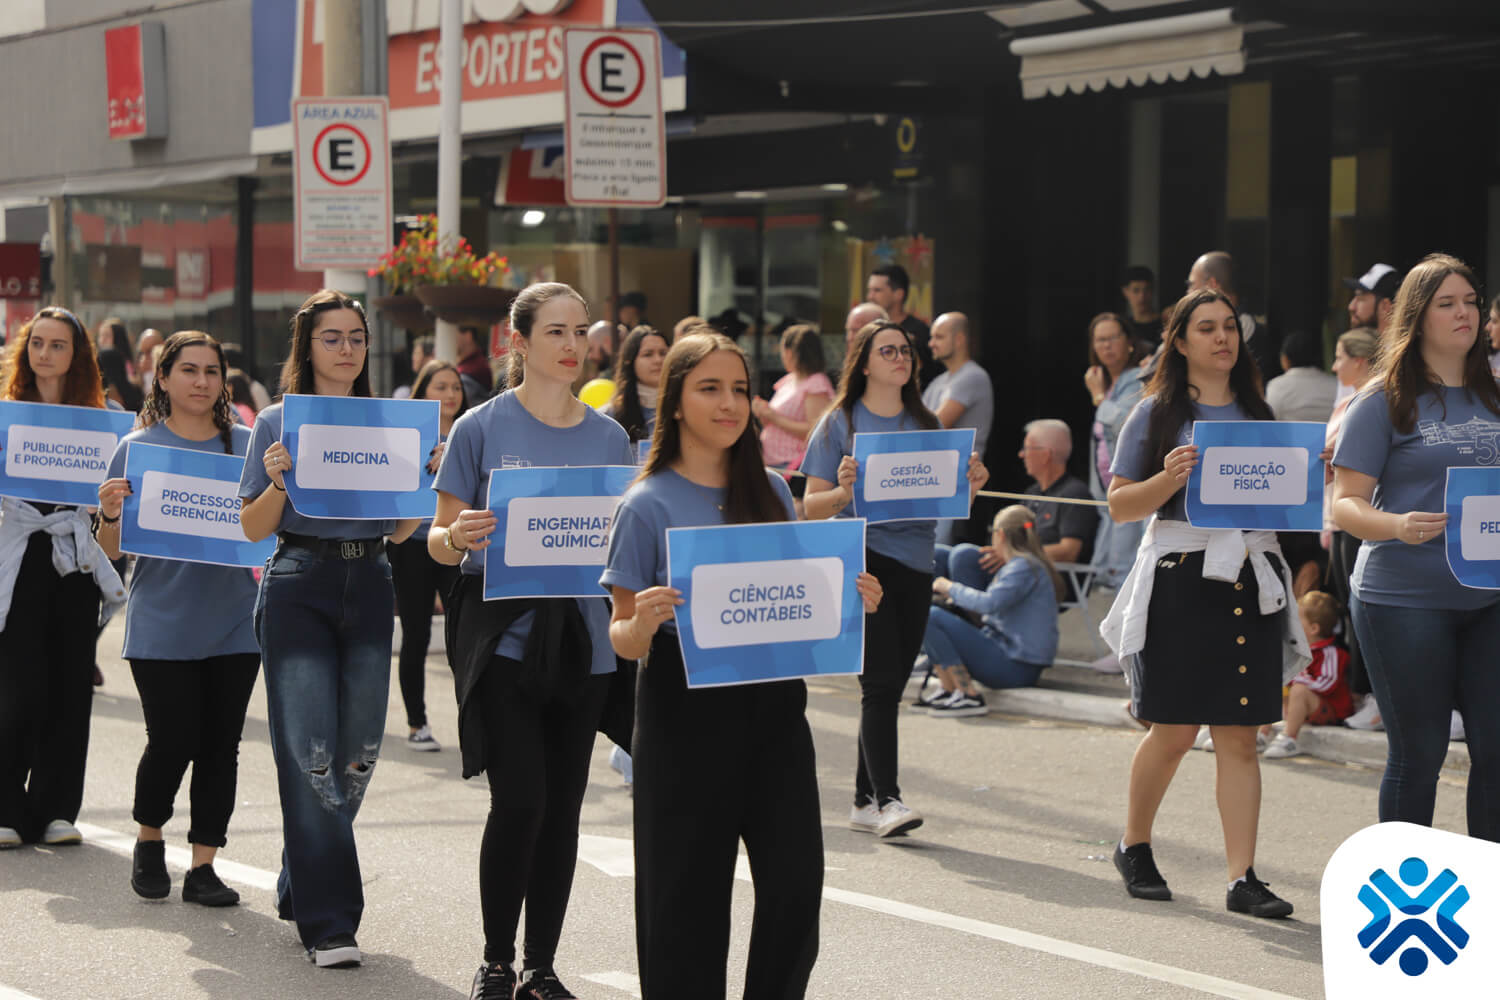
(192, 272)
(532, 177)
(20, 271)
(135, 78)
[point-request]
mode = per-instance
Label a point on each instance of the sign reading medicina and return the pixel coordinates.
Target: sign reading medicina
(551, 529)
(912, 475)
(185, 505)
(358, 458)
(57, 454)
(768, 602)
(1262, 475)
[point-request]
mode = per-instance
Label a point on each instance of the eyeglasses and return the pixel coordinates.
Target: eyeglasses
(891, 352)
(335, 341)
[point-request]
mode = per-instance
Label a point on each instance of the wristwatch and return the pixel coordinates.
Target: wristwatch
(448, 540)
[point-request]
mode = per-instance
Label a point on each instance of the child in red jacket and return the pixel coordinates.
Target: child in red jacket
(1319, 694)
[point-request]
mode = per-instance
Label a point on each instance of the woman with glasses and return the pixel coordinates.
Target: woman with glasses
(1114, 380)
(324, 621)
(878, 392)
(52, 579)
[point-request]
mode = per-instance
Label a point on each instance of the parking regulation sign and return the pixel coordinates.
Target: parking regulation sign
(342, 167)
(616, 143)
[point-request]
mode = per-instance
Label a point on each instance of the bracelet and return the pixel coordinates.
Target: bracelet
(108, 520)
(281, 488)
(448, 540)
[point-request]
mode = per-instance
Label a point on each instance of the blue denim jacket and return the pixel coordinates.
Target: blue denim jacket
(1019, 609)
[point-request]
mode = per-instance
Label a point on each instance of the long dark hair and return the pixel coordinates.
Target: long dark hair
(1172, 406)
(429, 372)
(523, 310)
(1398, 362)
(750, 498)
(297, 372)
(1132, 348)
(158, 405)
(627, 401)
(81, 383)
(854, 381)
(112, 371)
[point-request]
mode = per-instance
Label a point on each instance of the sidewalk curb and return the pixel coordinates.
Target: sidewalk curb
(1331, 743)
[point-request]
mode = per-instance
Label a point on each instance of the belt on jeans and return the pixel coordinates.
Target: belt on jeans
(333, 548)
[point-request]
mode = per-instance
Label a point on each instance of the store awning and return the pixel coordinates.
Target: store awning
(1134, 53)
(130, 178)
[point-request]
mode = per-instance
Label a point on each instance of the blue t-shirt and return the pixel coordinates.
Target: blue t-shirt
(1410, 470)
(1133, 449)
(254, 481)
(638, 538)
(907, 542)
(648, 416)
(185, 610)
(500, 433)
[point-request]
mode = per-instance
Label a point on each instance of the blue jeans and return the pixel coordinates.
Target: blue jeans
(950, 641)
(324, 626)
(1424, 663)
(960, 563)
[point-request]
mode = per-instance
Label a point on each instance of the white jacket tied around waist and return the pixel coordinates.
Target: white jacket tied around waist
(1224, 553)
(74, 550)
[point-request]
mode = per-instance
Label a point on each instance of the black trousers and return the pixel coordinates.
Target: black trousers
(195, 711)
(713, 767)
(537, 762)
(893, 638)
(418, 578)
(46, 692)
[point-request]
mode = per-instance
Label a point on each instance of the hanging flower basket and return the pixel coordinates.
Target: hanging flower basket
(477, 305)
(405, 311)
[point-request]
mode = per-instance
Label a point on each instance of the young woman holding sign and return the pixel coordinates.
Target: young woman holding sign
(879, 392)
(49, 606)
(1204, 625)
(417, 576)
(188, 635)
(530, 698)
(708, 761)
(1428, 641)
(637, 379)
(323, 618)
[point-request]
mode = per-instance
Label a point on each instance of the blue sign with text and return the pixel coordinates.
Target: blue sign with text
(1471, 498)
(551, 529)
(912, 475)
(360, 458)
(58, 454)
(768, 602)
(1257, 475)
(185, 505)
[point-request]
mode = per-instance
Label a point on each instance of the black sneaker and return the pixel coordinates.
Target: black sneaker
(1138, 868)
(148, 871)
(203, 886)
(1251, 895)
(542, 984)
(493, 982)
(337, 952)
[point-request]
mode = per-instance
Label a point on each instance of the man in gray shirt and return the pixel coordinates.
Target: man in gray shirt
(962, 395)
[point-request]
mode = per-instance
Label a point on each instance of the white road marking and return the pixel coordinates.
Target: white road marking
(614, 856)
(177, 857)
(6, 993)
(625, 982)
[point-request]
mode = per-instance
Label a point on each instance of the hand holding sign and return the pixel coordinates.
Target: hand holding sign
(653, 606)
(471, 530)
(1179, 464)
(870, 591)
(112, 494)
(278, 463)
(1420, 527)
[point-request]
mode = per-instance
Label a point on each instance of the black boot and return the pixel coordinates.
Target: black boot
(148, 874)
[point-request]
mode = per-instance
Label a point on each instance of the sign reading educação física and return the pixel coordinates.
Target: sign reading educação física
(1257, 475)
(767, 602)
(551, 529)
(912, 475)
(185, 505)
(360, 458)
(58, 454)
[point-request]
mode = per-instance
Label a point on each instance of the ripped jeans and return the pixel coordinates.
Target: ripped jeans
(324, 626)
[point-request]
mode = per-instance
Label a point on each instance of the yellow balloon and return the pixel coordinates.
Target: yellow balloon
(597, 392)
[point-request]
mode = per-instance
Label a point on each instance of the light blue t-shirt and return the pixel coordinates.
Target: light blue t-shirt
(637, 556)
(1133, 447)
(1411, 470)
(648, 414)
(500, 433)
(907, 542)
(185, 610)
(254, 481)
(1019, 609)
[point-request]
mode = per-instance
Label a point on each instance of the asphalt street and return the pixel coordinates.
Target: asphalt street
(1007, 891)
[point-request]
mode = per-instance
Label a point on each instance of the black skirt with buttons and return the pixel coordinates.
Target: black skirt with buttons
(1211, 658)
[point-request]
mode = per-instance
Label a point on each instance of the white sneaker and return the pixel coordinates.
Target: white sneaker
(1204, 741)
(9, 838)
(864, 818)
(1367, 716)
(60, 831)
(620, 762)
(1282, 746)
(422, 740)
(1109, 664)
(960, 705)
(1456, 727)
(897, 818)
